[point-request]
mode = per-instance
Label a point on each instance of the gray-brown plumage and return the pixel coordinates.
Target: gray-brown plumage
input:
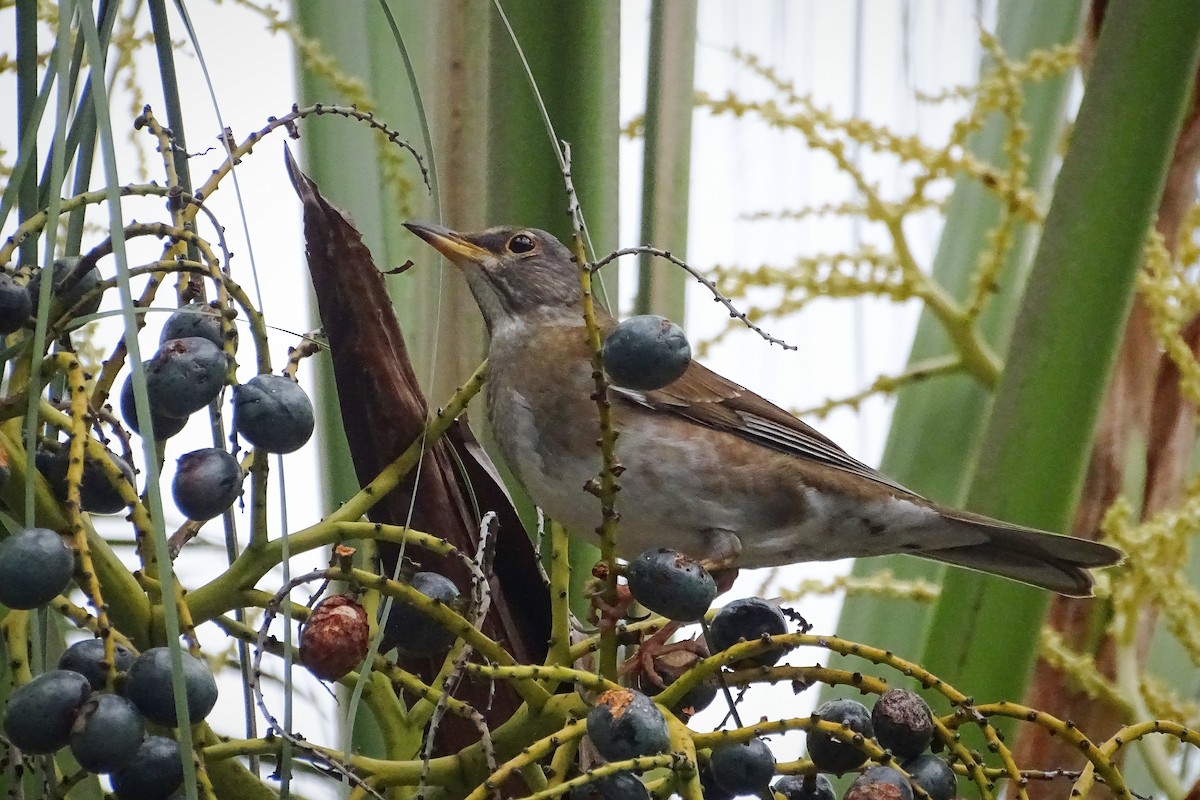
(711, 468)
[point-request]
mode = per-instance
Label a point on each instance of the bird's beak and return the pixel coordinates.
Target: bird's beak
(450, 243)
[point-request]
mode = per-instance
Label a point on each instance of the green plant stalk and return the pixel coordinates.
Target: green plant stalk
(937, 424)
(27, 67)
(666, 164)
(1038, 438)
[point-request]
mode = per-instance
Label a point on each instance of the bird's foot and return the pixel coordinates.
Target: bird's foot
(654, 656)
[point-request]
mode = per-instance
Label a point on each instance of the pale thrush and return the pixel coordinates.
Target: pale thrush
(711, 468)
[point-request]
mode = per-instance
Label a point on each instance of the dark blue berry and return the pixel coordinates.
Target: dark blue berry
(626, 724)
(272, 412)
(646, 352)
(413, 633)
(163, 427)
(709, 788)
(87, 658)
(804, 787)
(107, 733)
(194, 319)
(207, 482)
(154, 772)
(903, 722)
(97, 495)
(748, 619)
(933, 775)
(70, 286)
(40, 713)
(831, 754)
(184, 376)
(672, 584)
(15, 304)
(879, 783)
(619, 786)
(742, 767)
(149, 687)
(35, 566)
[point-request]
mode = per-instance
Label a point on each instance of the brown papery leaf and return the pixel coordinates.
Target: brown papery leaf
(384, 411)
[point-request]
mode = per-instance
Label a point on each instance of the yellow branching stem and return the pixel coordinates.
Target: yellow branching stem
(236, 151)
(889, 384)
(87, 579)
(14, 629)
(606, 487)
(317, 61)
(559, 649)
(671, 761)
(530, 755)
(166, 149)
(881, 584)
(529, 690)
(1170, 291)
(897, 275)
(984, 281)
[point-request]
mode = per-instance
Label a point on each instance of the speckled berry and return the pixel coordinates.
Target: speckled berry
(107, 733)
(646, 352)
(184, 376)
(162, 427)
(154, 772)
(97, 495)
(272, 412)
(933, 775)
(626, 724)
(207, 482)
(15, 304)
(880, 783)
(87, 658)
(335, 638)
(194, 319)
(831, 754)
(804, 787)
(903, 722)
(39, 714)
(742, 767)
(413, 633)
(672, 584)
(149, 687)
(35, 566)
(71, 285)
(748, 619)
(619, 786)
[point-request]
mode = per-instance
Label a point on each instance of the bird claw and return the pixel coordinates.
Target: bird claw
(604, 614)
(654, 655)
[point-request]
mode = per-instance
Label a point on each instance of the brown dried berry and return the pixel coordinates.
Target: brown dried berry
(335, 638)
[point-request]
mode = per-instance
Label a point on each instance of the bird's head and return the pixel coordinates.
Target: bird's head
(516, 274)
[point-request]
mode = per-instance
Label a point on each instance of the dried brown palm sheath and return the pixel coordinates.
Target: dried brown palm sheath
(384, 411)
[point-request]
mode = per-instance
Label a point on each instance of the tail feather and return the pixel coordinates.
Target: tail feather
(1058, 563)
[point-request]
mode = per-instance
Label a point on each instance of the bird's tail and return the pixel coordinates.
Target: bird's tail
(1050, 561)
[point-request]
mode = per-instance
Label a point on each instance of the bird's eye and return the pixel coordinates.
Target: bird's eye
(521, 243)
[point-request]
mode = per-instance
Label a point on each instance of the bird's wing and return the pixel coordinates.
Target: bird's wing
(709, 399)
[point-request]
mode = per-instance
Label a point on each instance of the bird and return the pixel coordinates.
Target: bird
(711, 469)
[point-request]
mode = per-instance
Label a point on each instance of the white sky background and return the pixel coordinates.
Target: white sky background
(866, 57)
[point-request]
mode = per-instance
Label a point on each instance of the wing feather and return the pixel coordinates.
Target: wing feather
(705, 397)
